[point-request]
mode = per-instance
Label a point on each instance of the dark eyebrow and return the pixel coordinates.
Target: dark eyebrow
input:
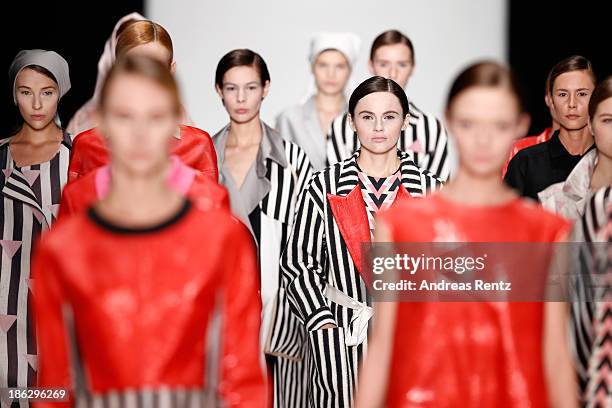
(391, 111)
(362, 112)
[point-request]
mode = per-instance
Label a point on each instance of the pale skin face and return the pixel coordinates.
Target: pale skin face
(242, 93)
(394, 62)
(156, 51)
(138, 120)
(37, 98)
(570, 99)
(485, 122)
(378, 120)
(331, 71)
(601, 128)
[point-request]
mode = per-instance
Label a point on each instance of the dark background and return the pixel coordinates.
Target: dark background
(540, 34)
(75, 30)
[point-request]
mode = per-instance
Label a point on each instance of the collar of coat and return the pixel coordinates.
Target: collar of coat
(349, 210)
(271, 147)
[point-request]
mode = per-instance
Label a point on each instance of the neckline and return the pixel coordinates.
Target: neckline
(480, 207)
(107, 225)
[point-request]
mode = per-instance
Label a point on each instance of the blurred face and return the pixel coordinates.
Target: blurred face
(37, 98)
(138, 119)
(156, 51)
(331, 71)
(485, 121)
(242, 93)
(601, 127)
(393, 62)
(570, 99)
(378, 122)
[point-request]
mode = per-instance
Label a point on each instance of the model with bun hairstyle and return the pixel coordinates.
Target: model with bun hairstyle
(34, 164)
(570, 85)
(264, 175)
(594, 170)
(192, 145)
(85, 118)
(392, 56)
(322, 272)
(138, 292)
(332, 56)
(522, 357)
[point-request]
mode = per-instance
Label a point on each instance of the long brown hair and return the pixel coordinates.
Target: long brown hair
(145, 67)
(142, 32)
(488, 74)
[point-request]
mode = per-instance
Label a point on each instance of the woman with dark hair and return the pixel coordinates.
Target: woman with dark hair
(264, 175)
(322, 271)
(571, 83)
(594, 170)
(392, 56)
(34, 170)
(472, 353)
(127, 317)
(192, 145)
(332, 57)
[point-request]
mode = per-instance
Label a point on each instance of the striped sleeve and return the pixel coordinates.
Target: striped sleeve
(303, 260)
(438, 162)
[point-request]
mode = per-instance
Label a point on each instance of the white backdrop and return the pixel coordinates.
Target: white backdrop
(447, 35)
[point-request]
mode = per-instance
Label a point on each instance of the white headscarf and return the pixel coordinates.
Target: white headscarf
(347, 43)
(83, 118)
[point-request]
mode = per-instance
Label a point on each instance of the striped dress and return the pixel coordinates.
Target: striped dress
(30, 201)
(266, 202)
(322, 283)
(591, 311)
(425, 139)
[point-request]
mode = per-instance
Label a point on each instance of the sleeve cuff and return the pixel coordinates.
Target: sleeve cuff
(319, 318)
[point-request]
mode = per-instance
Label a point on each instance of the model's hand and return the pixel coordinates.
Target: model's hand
(329, 326)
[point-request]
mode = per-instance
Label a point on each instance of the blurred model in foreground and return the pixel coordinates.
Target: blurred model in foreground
(126, 316)
(192, 145)
(472, 354)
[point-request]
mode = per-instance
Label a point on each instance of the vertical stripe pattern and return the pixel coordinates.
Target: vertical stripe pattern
(316, 256)
(30, 200)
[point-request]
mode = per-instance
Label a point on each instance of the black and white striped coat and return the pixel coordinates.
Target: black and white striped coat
(30, 201)
(425, 139)
(324, 249)
(592, 303)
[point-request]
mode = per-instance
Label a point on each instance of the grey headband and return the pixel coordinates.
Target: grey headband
(50, 60)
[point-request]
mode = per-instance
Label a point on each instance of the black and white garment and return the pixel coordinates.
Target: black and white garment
(30, 202)
(266, 203)
(591, 309)
(322, 283)
(425, 139)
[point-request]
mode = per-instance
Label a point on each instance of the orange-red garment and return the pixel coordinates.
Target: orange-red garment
(194, 148)
(81, 193)
(478, 354)
(526, 142)
(141, 301)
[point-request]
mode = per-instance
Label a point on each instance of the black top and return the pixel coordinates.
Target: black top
(534, 168)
